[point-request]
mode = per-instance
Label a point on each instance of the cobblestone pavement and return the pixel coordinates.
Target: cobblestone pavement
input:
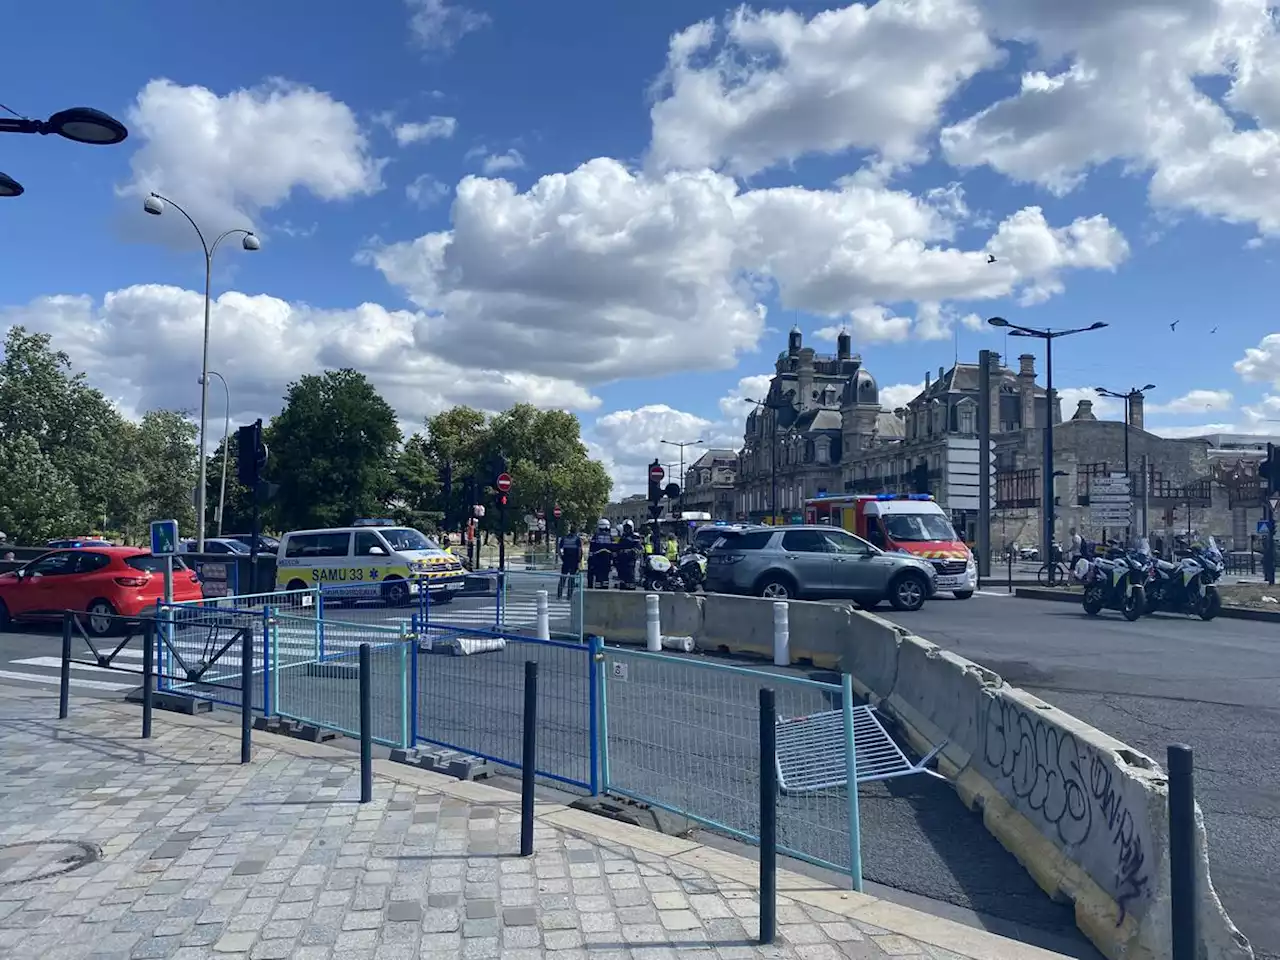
(114, 848)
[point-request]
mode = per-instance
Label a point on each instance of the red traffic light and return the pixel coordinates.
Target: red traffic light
(556, 513)
(502, 500)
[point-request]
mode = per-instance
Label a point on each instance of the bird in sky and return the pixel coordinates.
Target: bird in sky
(1214, 330)
(1174, 325)
(991, 258)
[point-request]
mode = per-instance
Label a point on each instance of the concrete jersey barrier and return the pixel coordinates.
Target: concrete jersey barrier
(1086, 815)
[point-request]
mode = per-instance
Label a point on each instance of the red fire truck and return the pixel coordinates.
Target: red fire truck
(906, 523)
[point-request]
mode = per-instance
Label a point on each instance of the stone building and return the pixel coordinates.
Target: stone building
(819, 408)
(709, 484)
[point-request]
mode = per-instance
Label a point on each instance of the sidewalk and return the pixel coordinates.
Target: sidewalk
(115, 848)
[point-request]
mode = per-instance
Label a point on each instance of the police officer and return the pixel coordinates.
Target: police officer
(600, 557)
(673, 548)
(569, 548)
(626, 556)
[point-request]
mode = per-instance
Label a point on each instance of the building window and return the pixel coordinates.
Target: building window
(967, 416)
(824, 450)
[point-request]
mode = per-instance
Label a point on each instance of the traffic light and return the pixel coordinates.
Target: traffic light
(655, 483)
(446, 482)
(502, 499)
(251, 454)
(1269, 469)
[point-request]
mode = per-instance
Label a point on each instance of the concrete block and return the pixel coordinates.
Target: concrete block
(738, 624)
(870, 653)
(941, 696)
(818, 631)
(179, 703)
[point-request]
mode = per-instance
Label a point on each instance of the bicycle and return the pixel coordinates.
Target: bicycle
(1061, 575)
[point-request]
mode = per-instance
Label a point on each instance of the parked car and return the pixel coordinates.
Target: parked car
(816, 562)
(266, 544)
(704, 538)
(104, 582)
(215, 545)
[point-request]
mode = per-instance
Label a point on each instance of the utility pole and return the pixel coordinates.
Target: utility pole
(1128, 407)
(984, 463)
(681, 444)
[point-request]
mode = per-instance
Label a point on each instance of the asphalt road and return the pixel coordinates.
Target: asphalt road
(1159, 681)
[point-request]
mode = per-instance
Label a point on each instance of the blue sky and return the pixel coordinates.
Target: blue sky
(835, 167)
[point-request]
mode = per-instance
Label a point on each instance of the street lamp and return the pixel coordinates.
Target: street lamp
(1128, 402)
(154, 204)
(773, 453)
(681, 444)
(226, 433)
(1048, 336)
(80, 124)
(10, 187)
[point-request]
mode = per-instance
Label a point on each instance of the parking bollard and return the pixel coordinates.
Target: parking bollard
(781, 634)
(544, 616)
(652, 623)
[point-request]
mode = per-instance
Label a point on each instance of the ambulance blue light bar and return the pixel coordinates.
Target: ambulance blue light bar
(904, 496)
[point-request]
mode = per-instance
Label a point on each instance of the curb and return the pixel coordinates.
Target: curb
(1229, 613)
(964, 941)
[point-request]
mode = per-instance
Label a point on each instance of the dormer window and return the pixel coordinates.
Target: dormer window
(823, 448)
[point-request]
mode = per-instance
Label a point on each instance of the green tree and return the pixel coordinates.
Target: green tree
(165, 460)
(332, 451)
(457, 437)
(415, 498)
(37, 500)
(74, 426)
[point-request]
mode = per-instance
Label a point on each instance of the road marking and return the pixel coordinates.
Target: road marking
(56, 664)
(54, 681)
(991, 593)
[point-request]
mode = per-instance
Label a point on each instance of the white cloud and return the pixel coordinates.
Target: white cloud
(436, 128)
(141, 346)
(436, 25)
(899, 395)
(630, 440)
(1266, 411)
(734, 407)
(1181, 431)
(1215, 156)
(1195, 401)
(227, 158)
(1261, 364)
(769, 87)
(1104, 408)
(426, 190)
(499, 162)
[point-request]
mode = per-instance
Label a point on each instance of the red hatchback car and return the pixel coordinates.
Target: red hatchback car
(102, 581)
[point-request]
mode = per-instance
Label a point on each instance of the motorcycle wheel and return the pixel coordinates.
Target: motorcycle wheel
(1211, 605)
(1133, 605)
(1095, 598)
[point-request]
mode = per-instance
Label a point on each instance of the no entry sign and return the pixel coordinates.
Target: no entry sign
(504, 482)
(656, 473)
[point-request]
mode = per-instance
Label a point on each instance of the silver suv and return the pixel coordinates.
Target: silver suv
(817, 562)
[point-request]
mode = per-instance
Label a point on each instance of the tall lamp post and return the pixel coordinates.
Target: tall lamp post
(1047, 474)
(78, 124)
(226, 433)
(773, 453)
(681, 444)
(154, 204)
(1128, 405)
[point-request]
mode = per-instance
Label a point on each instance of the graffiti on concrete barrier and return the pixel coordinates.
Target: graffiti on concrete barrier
(1047, 774)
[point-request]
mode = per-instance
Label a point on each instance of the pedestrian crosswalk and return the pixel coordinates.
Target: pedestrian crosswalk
(295, 643)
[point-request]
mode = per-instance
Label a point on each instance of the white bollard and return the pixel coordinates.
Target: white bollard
(781, 635)
(652, 624)
(544, 616)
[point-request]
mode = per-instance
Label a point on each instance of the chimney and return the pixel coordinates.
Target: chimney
(844, 345)
(804, 380)
(794, 341)
(996, 383)
(942, 372)
(1136, 400)
(926, 380)
(1084, 411)
(1027, 391)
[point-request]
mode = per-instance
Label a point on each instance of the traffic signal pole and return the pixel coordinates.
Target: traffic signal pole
(1270, 471)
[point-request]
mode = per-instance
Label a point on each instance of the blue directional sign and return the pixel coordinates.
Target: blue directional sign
(164, 538)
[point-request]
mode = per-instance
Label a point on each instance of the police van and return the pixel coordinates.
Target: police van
(371, 560)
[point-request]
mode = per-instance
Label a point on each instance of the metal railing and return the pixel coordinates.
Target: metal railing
(681, 734)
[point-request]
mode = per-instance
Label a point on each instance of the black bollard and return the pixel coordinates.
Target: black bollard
(768, 818)
(1182, 853)
(529, 757)
(64, 678)
(366, 725)
(246, 694)
(148, 676)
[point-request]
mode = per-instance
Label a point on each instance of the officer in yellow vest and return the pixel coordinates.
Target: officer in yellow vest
(673, 548)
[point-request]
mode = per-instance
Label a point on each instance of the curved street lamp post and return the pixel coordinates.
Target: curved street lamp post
(1128, 405)
(1047, 472)
(226, 434)
(78, 124)
(154, 204)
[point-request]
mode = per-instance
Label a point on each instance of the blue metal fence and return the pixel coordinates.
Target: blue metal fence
(678, 733)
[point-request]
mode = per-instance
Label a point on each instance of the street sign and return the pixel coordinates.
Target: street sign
(1275, 503)
(618, 670)
(164, 538)
(556, 512)
(656, 473)
(503, 482)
